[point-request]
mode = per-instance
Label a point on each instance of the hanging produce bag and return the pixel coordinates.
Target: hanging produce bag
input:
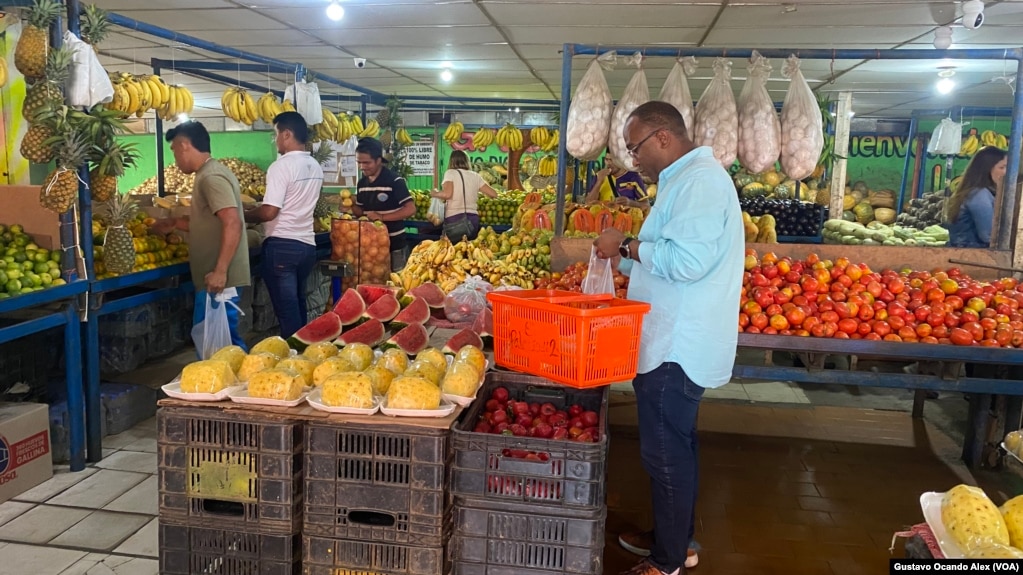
(213, 333)
(676, 89)
(947, 138)
(636, 94)
(759, 127)
(306, 96)
(717, 119)
(365, 246)
(802, 128)
(89, 83)
(599, 276)
(467, 301)
(589, 114)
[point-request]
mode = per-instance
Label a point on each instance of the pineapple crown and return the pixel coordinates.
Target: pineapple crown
(322, 153)
(102, 125)
(119, 209)
(42, 13)
(95, 25)
(113, 160)
(72, 146)
(58, 65)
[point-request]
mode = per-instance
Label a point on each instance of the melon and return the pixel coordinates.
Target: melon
(483, 326)
(324, 328)
(372, 292)
(350, 307)
(430, 292)
(461, 339)
(384, 309)
(370, 333)
(416, 312)
(412, 339)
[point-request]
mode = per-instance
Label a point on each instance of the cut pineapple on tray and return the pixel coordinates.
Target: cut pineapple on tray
(315, 399)
(965, 522)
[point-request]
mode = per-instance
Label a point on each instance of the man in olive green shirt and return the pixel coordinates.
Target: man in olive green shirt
(218, 253)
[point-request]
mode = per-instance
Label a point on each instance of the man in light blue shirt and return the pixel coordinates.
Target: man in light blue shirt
(687, 264)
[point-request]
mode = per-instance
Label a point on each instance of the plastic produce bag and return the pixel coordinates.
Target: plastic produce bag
(213, 333)
(759, 127)
(676, 89)
(599, 276)
(636, 93)
(947, 138)
(89, 83)
(717, 119)
(436, 214)
(802, 128)
(306, 96)
(589, 114)
(467, 301)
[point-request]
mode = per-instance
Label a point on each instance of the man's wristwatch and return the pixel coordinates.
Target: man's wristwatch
(625, 249)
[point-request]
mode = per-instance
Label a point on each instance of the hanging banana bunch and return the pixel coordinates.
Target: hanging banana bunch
(179, 101)
(482, 139)
(288, 106)
(327, 129)
(371, 130)
(238, 105)
(552, 142)
(344, 128)
(453, 133)
(403, 137)
(539, 135)
(269, 107)
(509, 137)
(548, 166)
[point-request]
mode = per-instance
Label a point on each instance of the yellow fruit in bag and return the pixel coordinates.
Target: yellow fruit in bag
(413, 393)
(426, 370)
(233, 355)
(394, 360)
(971, 519)
(995, 551)
(208, 376)
(331, 367)
(275, 345)
(255, 363)
(1012, 514)
(300, 365)
(381, 377)
(351, 389)
(277, 383)
(461, 379)
(320, 351)
(358, 354)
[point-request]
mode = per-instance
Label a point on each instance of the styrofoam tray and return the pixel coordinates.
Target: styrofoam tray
(446, 408)
(930, 504)
(315, 399)
(465, 401)
(242, 396)
(173, 389)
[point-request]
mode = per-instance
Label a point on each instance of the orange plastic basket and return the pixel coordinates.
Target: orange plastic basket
(574, 339)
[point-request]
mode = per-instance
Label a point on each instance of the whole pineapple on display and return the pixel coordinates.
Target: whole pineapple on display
(30, 53)
(113, 160)
(95, 25)
(118, 247)
(37, 145)
(60, 188)
(47, 91)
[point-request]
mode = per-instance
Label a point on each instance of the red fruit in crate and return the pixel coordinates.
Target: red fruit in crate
(493, 405)
(548, 409)
(585, 437)
(559, 419)
(519, 430)
(524, 419)
(500, 394)
(500, 428)
(520, 408)
(590, 418)
(482, 427)
(562, 432)
(534, 408)
(575, 410)
(500, 417)
(543, 430)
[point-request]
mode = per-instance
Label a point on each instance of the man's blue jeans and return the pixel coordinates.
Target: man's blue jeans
(285, 269)
(668, 403)
(199, 314)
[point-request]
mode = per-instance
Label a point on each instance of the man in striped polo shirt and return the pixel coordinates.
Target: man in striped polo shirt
(382, 195)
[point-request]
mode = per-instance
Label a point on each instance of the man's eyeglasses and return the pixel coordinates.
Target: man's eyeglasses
(632, 151)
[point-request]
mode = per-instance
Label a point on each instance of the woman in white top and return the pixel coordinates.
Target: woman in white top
(460, 191)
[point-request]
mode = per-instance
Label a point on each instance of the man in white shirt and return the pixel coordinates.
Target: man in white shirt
(293, 185)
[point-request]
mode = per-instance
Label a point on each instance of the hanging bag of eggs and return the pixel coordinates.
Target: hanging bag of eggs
(637, 93)
(589, 114)
(759, 128)
(676, 90)
(717, 120)
(802, 128)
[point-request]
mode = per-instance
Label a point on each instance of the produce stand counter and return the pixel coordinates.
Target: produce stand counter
(428, 231)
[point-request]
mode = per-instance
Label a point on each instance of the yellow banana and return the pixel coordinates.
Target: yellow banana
(250, 108)
(133, 98)
(288, 106)
(329, 119)
(357, 126)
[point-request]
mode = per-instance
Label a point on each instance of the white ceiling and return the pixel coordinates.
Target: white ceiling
(510, 49)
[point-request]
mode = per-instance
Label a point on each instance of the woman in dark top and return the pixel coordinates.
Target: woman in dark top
(970, 211)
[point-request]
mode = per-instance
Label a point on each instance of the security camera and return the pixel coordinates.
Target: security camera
(973, 14)
(360, 62)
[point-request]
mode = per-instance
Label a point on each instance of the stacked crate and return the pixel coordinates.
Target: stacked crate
(375, 499)
(230, 491)
(514, 516)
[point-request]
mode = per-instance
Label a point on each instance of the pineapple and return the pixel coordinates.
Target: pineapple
(95, 25)
(971, 519)
(60, 188)
(118, 247)
(37, 146)
(30, 53)
(47, 91)
(322, 153)
(103, 176)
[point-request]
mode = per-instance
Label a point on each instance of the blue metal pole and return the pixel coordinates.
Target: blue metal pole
(1007, 212)
(161, 183)
(566, 96)
(921, 183)
(76, 405)
(223, 66)
(811, 54)
(909, 160)
(362, 108)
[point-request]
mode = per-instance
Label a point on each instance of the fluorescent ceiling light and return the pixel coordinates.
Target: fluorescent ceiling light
(335, 11)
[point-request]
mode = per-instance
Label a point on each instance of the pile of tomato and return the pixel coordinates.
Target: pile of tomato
(572, 280)
(845, 300)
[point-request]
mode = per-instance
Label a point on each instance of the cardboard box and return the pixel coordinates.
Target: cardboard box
(21, 206)
(25, 459)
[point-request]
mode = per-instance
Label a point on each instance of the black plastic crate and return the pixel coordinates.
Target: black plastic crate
(322, 556)
(574, 474)
(499, 538)
(243, 470)
(186, 549)
(132, 322)
(119, 355)
(382, 483)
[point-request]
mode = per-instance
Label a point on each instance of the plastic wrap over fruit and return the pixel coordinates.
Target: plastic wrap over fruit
(637, 92)
(759, 127)
(971, 519)
(676, 89)
(589, 114)
(802, 128)
(717, 119)
(365, 246)
(467, 301)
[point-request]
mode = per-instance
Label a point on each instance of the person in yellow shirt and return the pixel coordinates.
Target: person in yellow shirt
(617, 184)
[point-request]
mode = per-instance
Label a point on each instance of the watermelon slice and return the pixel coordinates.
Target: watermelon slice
(370, 333)
(324, 328)
(416, 312)
(372, 292)
(384, 309)
(350, 307)
(484, 326)
(412, 339)
(430, 292)
(461, 339)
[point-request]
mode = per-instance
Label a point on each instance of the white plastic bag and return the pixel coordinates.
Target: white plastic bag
(759, 127)
(436, 214)
(213, 333)
(717, 119)
(306, 96)
(802, 128)
(637, 92)
(947, 138)
(467, 301)
(89, 83)
(589, 114)
(599, 276)
(676, 89)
